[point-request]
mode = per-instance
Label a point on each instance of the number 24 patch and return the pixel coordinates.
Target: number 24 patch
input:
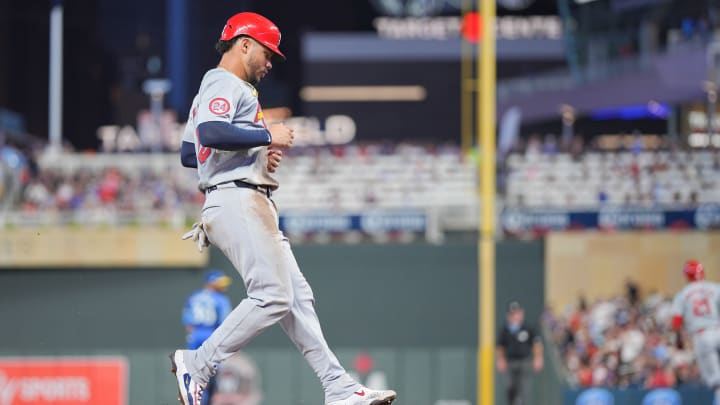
(219, 106)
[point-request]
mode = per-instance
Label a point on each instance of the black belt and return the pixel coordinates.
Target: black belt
(238, 183)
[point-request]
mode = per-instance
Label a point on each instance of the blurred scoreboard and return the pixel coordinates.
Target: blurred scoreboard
(400, 88)
(390, 100)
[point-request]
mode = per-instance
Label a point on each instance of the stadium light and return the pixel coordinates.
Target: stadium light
(363, 93)
(55, 77)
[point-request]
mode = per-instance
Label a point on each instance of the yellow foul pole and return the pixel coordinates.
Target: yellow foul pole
(486, 174)
(467, 88)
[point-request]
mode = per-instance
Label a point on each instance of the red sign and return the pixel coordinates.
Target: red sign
(63, 381)
(471, 26)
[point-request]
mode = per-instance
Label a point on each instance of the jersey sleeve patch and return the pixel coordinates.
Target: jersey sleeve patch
(219, 106)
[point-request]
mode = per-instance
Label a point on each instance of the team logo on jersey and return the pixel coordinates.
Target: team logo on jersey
(259, 115)
(253, 90)
(219, 106)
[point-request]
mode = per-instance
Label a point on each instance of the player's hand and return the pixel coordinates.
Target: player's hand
(537, 363)
(274, 156)
(501, 364)
(198, 235)
(282, 136)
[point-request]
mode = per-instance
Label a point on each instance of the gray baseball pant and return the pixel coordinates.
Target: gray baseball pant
(243, 224)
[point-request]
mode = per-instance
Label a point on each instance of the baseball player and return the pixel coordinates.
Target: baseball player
(696, 307)
(203, 311)
(206, 308)
(234, 151)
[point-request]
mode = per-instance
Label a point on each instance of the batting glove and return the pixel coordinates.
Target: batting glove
(198, 235)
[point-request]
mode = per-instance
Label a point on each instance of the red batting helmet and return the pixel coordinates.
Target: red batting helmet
(694, 270)
(256, 27)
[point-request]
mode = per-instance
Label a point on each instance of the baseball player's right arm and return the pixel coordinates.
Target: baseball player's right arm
(225, 136)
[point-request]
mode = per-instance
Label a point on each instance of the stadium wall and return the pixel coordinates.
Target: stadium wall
(410, 307)
(597, 264)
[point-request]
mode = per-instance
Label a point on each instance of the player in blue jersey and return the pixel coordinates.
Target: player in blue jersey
(203, 312)
(206, 308)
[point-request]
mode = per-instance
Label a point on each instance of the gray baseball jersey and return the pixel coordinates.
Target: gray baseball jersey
(698, 304)
(225, 97)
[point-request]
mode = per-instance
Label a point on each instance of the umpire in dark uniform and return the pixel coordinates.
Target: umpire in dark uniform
(519, 352)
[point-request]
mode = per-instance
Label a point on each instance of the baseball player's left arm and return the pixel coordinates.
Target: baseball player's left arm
(677, 313)
(187, 155)
(501, 362)
(537, 349)
(187, 149)
(677, 322)
(274, 156)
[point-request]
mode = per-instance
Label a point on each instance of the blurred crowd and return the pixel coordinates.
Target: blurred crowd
(543, 171)
(111, 187)
(623, 342)
(332, 177)
(630, 170)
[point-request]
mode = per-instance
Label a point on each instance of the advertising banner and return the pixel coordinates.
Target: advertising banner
(63, 381)
(368, 222)
(703, 217)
